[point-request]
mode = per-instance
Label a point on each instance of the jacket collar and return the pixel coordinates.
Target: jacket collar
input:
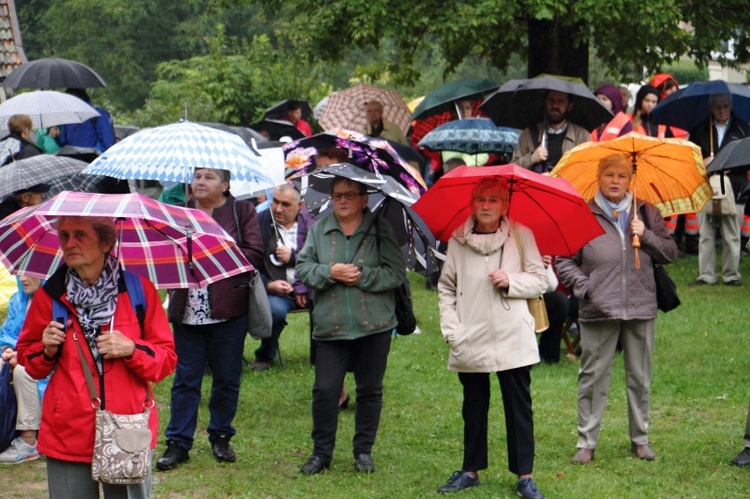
(331, 223)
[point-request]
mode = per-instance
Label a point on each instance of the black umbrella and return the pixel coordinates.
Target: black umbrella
(53, 73)
(245, 133)
(521, 103)
(277, 129)
(733, 156)
(279, 111)
(387, 199)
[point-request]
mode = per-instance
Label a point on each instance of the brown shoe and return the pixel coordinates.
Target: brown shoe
(583, 456)
(643, 452)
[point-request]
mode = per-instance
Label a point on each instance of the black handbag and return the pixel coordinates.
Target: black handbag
(8, 407)
(666, 289)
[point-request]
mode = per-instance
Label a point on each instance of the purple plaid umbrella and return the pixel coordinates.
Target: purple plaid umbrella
(174, 247)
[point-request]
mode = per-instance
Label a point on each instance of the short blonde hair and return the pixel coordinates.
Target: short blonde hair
(18, 123)
(614, 160)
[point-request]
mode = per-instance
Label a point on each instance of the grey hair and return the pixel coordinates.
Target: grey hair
(104, 227)
(286, 187)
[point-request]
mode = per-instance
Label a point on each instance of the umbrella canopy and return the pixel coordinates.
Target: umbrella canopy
(39, 169)
(320, 107)
(372, 154)
(688, 106)
(387, 199)
(557, 215)
(79, 182)
(53, 72)
(472, 136)
(86, 154)
(279, 111)
(171, 153)
(734, 155)
(346, 109)
(521, 103)
(669, 173)
(278, 128)
(173, 247)
(444, 97)
(47, 108)
(246, 134)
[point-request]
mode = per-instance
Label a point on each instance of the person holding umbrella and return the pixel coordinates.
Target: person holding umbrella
(353, 263)
(377, 126)
(492, 267)
(617, 302)
(717, 130)
(542, 145)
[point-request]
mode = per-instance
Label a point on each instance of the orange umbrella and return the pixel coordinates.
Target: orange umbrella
(669, 173)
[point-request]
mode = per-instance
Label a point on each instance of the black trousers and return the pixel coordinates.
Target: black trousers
(515, 385)
(556, 304)
(367, 358)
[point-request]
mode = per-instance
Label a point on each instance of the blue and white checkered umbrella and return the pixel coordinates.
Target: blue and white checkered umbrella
(171, 153)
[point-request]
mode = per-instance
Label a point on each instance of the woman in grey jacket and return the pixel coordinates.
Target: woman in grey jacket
(618, 301)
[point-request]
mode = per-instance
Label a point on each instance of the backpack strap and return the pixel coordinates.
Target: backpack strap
(137, 296)
(59, 312)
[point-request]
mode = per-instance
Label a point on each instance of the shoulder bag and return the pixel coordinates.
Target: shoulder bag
(537, 307)
(666, 289)
(8, 407)
(258, 308)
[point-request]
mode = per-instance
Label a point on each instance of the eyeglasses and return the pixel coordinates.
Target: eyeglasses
(336, 196)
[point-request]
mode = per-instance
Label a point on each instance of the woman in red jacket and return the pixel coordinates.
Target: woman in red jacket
(124, 358)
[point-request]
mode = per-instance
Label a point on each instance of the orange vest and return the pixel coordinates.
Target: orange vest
(612, 129)
(660, 134)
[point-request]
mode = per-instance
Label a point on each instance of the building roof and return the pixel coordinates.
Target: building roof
(11, 47)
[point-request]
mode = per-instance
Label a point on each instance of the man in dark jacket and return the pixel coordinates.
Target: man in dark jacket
(720, 128)
(284, 229)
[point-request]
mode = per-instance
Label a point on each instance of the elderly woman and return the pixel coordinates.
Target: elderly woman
(618, 301)
(124, 354)
(492, 268)
(352, 263)
(210, 325)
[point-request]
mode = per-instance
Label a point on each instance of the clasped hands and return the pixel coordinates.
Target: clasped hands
(112, 345)
(345, 273)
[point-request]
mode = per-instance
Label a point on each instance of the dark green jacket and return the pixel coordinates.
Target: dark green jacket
(349, 312)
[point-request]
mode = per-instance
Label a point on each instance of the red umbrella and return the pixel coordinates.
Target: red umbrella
(559, 217)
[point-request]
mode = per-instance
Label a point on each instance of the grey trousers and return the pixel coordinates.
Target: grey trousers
(730, 246)
(68, 480)
(598, 344)
(747, 429)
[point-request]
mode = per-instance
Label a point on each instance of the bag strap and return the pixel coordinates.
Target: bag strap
(95, 401)
(520, 248)
(236, 222)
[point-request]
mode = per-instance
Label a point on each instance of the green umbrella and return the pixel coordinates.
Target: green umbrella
(444, 98)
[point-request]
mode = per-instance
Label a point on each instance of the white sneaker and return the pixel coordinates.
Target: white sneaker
(18, 452)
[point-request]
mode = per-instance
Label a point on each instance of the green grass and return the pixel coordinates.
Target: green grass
(699, 405)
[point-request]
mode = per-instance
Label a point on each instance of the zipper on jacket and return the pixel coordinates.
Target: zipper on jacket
(348, 297)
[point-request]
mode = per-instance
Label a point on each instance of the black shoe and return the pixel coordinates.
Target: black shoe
(363, 462)
(700, 282)
(459, 481)
(174, 455)
(222, 451)
(526, 488)
(314, 465)
(736, 282)
(743, 458)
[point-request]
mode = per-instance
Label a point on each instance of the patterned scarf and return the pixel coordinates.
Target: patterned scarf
(95, 305)
(619, 213)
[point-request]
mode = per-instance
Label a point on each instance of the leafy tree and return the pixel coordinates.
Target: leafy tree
(554, 35)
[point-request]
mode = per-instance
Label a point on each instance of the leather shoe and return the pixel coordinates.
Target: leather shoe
(260, 365)
(459, 481)
(174, 455)
(314, 465)
(363, 462)
(743, 458)
(527, 489)
(643, 452)
(222, 451)
(736, 282)
(700, 282)
(583, 456)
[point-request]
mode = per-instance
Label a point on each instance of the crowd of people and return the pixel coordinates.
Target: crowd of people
(344, 268)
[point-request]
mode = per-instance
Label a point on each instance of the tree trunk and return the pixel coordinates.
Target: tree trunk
(552, 50)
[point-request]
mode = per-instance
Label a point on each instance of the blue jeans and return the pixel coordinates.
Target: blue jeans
(280, 306)
(220, 345)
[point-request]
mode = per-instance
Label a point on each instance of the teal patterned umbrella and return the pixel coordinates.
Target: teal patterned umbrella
(472, 136)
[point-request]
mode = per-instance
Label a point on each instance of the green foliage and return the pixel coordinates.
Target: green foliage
(233, 84)
(686, 71)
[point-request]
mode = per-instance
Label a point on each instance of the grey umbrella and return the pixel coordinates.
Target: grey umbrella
(53, 72)
(40, 169)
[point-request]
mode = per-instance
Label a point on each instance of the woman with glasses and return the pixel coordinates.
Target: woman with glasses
(352, 262)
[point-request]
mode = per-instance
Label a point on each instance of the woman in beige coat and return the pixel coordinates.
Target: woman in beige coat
(484, 316)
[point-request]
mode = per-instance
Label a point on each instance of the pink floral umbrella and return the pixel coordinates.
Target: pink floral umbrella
(346, 109)
(173, 247)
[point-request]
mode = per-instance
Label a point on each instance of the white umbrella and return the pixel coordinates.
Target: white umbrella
(47, 108)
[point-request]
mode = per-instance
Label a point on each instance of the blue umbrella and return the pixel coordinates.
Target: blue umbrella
(688, 106)
(171, 153)
(472, 136)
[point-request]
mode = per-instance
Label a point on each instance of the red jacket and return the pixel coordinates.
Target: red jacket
(67, 427)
